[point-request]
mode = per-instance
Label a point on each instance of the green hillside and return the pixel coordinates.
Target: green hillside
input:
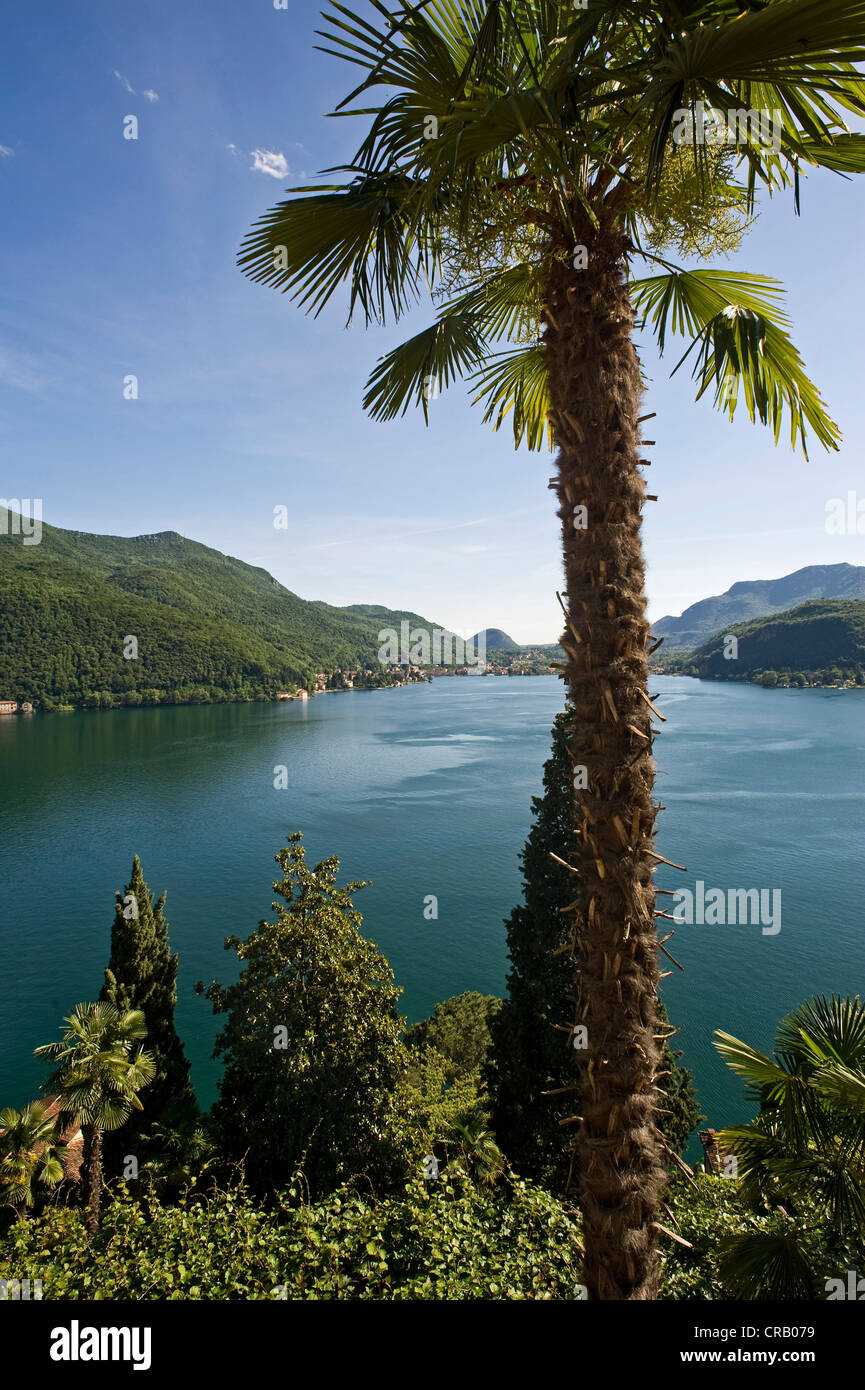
(208, 626)
(822, 641)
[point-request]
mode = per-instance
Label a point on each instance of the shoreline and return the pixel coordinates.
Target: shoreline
(264, 700)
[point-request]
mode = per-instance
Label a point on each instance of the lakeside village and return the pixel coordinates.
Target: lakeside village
(530, 661)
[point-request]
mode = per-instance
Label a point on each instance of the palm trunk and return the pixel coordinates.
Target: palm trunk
(92, 1177)
(595, 389)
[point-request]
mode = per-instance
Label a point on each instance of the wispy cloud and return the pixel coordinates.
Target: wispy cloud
(124, 81)
(150, 94)
(270, 162)
(18, 370)
(6, 152)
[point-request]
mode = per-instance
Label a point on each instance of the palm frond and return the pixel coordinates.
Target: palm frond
(739, 332)
(505, 305)
(362, 232)
(799, 40)
(415, 372)
(845, 153)
(754, 1066)
(842, 1085)
(517, 383)
(766, 1265)
(835, 1024)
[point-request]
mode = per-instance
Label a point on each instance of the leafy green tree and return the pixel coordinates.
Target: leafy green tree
(530, 1073)
(98, 1076)
(519, 156)
(434, 1097)
(459, 1029)
(805, 1151)
(446, 1054)
(311, 1044)
(142, 975)
(29, 1154)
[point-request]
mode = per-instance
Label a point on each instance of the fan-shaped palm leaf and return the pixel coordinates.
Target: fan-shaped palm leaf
(739, 333)
(766, 1265)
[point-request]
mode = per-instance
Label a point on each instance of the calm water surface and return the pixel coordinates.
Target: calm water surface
(422, 789)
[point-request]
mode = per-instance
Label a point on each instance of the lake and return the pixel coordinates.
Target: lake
(423, 789)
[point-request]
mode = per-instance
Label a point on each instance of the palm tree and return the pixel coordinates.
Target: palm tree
(805, 1151)
(178, 1150)
(29, 1153)
(521, 155)
(98, 1076)
(484, 1160)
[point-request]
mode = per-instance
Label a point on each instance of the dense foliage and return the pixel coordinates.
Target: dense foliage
(208, 627)
(712, 1214)
(444, 1094)
(442, 1241)
(804, 1154)
(434, 1241)
(820, 642)
(311, 1044)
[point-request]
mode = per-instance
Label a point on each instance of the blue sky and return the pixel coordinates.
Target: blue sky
(118, 258)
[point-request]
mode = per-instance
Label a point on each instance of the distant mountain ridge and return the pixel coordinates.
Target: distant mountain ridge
(758, 598)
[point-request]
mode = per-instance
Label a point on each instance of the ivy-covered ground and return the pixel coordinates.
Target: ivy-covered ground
(437, 1241)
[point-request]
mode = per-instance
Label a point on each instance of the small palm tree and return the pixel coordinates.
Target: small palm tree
(98, 1076)
(805, 1151)
(178, 1150)
(29, 1153)
(484, 1160)
(519, 157)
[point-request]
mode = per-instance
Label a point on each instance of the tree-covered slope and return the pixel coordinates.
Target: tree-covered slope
(496, 641)
(825, 635)
(757, 599)
(203, 621)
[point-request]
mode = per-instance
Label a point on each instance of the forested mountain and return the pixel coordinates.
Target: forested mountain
(822, 641)
(756, 599)
(207, 626)
(496, 641)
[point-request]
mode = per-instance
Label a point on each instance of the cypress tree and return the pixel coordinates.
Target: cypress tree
(531, 1041)
(142, 974)
(311, 1042)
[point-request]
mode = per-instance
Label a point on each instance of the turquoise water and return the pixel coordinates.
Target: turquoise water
(424, 790)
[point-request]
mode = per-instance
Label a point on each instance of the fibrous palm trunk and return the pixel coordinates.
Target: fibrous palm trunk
(93, 1177)
(595, 389)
